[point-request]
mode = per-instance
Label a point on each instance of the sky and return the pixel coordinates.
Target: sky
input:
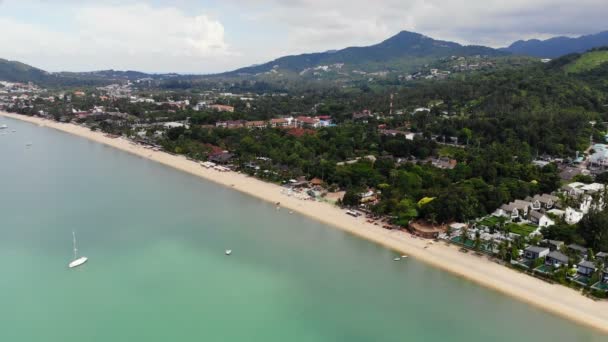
(208, 36)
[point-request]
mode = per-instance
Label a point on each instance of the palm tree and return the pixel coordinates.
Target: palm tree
(477, 245)
(464, 235)
(599, 264)
(502, 250)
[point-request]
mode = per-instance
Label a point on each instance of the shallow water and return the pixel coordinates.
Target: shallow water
(156, 237)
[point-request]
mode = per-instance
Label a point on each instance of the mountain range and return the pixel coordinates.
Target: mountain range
(557, 46)
(405, 52)
(404, 48)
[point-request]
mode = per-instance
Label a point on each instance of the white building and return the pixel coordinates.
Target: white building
(541, 219)
(174, 125)
(570, 215)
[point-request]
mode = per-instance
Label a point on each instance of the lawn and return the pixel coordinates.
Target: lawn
(490, 221)
(588, 61)
(521, 229)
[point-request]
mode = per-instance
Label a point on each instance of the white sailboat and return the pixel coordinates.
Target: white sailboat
(77, 261)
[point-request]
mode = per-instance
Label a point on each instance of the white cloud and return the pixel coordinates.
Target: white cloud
(324, 24)
(182, 36)
(135, 36)
(141, 29)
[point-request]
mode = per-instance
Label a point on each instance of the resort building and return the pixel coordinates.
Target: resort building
(543, 202)
(556, 259)
(517, 209)
(553, 245)
(221, 108)
(576, 189)
(230, 124)
(221, 158)
(255, 124)
(281, 122)
(579, 250)
(307, 122)
(535, 252)
(599, 159)
(570, 216)
(586, 268)
(540, 219)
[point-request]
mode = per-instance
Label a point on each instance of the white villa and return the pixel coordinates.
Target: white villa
(540, 219)
(514, 210)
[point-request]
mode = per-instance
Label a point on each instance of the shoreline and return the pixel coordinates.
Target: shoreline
(553, 298)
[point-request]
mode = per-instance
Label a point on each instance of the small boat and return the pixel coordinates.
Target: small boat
(77, 261)
(404, 256)
(3, 126)
(228, 251)
(28, 144)
(397, 259)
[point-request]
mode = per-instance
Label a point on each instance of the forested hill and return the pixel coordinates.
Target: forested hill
(558, 46)
(18, 72)
(14, 71)
(405, 50)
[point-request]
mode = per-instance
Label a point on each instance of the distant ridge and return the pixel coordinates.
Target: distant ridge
(401, 48)
(19, 72)
(558, 46)
(14, 71)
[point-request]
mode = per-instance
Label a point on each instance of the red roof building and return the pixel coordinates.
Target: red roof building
(298, 132)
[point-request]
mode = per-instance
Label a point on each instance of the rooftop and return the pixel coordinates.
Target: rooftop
(537, 215)
(536, 249)
(587, 264)
(577, 248)
(558, 256)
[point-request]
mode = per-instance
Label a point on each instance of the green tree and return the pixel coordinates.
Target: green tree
(351, 198)
(594, 230)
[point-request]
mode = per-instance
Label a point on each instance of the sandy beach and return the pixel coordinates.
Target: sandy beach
(556, 299)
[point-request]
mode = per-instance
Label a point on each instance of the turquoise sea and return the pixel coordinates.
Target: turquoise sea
(156, 237)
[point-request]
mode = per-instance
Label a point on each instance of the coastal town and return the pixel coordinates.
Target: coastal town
(387, 171)
(522, 233)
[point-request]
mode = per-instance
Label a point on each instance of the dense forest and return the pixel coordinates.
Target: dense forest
(503, 120)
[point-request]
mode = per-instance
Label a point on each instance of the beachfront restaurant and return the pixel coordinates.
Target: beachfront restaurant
(427, 230)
